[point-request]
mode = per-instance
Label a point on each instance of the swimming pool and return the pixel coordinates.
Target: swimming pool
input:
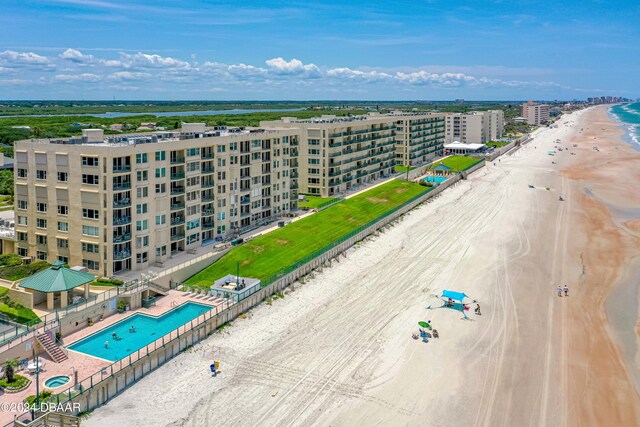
(437, 179)
(147, 330)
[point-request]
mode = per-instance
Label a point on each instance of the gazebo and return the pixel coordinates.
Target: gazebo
(442, 169)
(58, 278)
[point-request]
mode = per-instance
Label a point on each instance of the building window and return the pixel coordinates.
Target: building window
(221, 189)
(194, 223)
(161, 188)
(161, 172)
(221, 216)
(63, 259)
(41, 174)
(90, 179)
(41, 223)
(141, 208)
(22, 252)
(22, 204)
(142, 225)
(142, 176)
(314, 151)
(63, 243)
(161, 219)
(193, 166)
(90, 264)
(63, 177)
(141, 158)
(22, 236)
(220, 148)
(143, 257)
(314, 171)
(40, 239)
(193, 151)
(89, 230)
(63, 210)
(90, 213)
(222, 176)
(142, 192)
(63, 226)
(41, 255)
(22, 220)
(161, 251)
(92, 248)
(221, 229)
(314, 161)
(142, 242)
(22, 173)
(89, 161)
(192, 238)
(160, 156)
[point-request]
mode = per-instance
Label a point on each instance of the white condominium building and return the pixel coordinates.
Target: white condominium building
(129, 201)
(477, 127)
(419, 137)
(536, 114)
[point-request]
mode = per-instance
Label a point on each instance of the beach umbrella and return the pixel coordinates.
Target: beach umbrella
(424, 325)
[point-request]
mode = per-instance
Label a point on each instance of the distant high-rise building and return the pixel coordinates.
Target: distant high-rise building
(536, 114)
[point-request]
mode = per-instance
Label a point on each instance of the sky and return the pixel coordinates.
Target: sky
(321, 50)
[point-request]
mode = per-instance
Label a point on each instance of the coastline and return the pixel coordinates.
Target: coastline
(338, 351)
(603, 385)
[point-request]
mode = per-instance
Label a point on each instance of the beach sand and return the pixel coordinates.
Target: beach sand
(338, 349)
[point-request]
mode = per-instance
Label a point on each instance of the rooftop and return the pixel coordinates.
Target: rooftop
(56, 278)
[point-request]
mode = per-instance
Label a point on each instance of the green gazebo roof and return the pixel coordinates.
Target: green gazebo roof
(56, 279)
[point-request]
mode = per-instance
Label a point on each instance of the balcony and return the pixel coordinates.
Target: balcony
(177, 206)
(207, 225)
(122, 203)
(206, 199)
(208, 155)
(122, 169)
(294, 186)
(177, 175)
(123, 220)
(176, 191)
(177, 220)
(206, 184)
(121, 186)
(207, 170)
(245, 201)
(177, 236)
(294, 174)
(119, 238)
(208, 212)
(119, 255)
(177, 160)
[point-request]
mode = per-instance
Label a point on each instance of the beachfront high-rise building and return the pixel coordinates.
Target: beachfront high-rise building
(476, 127)
(536, 114)
(419, 137)
(338, 154)
(127, 202)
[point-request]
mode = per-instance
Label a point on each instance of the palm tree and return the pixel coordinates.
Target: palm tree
(9, 370)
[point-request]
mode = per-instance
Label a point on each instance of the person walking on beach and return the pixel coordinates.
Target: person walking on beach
(559, 290)
(477, 310)
(566, 290)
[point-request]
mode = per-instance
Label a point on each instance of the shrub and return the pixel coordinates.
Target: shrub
(18, 272)
(44, 396)
(18, 381)
(9, 260)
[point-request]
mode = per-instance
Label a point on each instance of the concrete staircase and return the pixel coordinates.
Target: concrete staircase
(52, 349)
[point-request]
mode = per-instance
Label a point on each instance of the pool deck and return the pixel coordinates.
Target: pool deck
(85, 364)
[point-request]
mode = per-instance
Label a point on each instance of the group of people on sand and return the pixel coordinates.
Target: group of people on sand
(561, 289)
(465, 307)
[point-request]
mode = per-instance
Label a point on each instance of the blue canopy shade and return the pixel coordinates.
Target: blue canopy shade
(456, 296)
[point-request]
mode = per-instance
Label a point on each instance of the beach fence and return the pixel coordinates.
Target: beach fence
(99, 388)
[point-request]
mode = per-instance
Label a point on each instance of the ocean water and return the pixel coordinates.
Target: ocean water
(629, 116)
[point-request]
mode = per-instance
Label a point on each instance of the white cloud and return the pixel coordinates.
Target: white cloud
(128, 75)
(84, 77)
(293, 67)
(348, 73)
(76, 56)
(144, 60)
(13, 59)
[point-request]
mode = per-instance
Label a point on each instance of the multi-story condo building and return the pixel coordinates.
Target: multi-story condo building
(419, 137)
(129, 201)
(341, 153)
(476, 127)
(536, 114)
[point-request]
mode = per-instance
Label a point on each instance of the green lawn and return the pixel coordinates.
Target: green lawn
(316, 202)
(458, 163)
(17, 272)
(268, 254)
(15, 312)
(401, 168)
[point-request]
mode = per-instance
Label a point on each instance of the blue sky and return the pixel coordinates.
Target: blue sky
(253, 50)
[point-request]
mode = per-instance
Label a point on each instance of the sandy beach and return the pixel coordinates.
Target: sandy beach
(338, 351)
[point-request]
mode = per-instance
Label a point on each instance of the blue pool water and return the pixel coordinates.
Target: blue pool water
(58, 381)
(437, 179)
(147, 330)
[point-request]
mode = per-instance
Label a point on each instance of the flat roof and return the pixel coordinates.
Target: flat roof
(462, 146)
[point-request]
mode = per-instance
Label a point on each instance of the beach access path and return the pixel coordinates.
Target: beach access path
(338, 349)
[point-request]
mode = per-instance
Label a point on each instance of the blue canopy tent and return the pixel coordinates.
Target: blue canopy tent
(456, 296)
(455, 300)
